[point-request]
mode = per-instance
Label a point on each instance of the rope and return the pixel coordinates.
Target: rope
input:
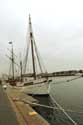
(64, 111)
(49, 107)
(40, 61)
(37, 56)
(26, 57)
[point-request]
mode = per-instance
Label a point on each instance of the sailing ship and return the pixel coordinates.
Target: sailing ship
(38, 85)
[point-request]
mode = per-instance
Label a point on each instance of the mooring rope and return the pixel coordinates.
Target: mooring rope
(50, 107)
(60, 107)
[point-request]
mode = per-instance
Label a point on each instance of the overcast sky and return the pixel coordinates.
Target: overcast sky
(57, 26)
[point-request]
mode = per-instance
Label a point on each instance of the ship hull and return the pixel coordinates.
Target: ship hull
(37, 89)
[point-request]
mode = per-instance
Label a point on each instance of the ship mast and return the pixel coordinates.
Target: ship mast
(34, 53)
(32, 48)
(12, 59)
(21, 70)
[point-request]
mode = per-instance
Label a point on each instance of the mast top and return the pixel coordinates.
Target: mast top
(29, 19)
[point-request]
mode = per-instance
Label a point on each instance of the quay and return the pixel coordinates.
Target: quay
(7, 114)
(14, 110)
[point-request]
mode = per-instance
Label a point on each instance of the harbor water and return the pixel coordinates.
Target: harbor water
(69, 95)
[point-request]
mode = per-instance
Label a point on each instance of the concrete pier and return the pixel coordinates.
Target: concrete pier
(25, 114)
(7, 113)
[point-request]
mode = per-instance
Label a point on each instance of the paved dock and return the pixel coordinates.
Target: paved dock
(25, 114)
(7, 114)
